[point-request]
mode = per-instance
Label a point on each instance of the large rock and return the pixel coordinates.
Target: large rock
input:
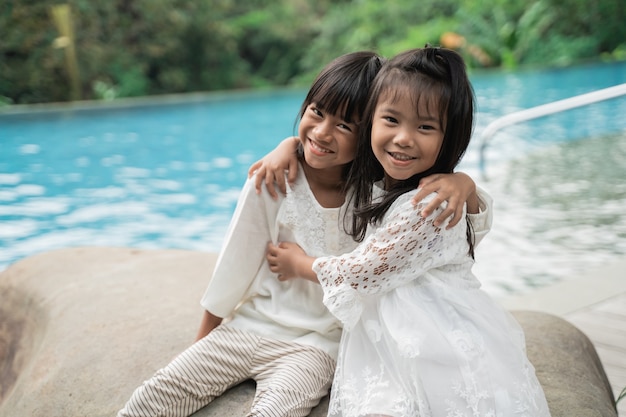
(567, 366)
(81, 328)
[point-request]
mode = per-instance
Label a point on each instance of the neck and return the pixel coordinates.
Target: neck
(389, 182)
(326, 184)
(330, 178)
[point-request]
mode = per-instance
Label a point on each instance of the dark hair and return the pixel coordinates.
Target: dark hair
(432, 76)
(342, 87)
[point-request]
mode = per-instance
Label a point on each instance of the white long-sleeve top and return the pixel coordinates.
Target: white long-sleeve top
(244, 290)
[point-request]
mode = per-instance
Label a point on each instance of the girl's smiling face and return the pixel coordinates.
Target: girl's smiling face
(327, 139)
(406, 140)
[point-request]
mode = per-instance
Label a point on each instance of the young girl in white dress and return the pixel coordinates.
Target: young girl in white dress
(420, 336)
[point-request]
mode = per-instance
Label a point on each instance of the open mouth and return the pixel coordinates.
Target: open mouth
(401, 156)
(318, 148)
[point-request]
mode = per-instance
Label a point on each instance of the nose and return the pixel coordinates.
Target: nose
(324, 130)
(403, 138)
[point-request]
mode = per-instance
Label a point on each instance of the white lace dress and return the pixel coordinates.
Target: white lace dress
(420, 337)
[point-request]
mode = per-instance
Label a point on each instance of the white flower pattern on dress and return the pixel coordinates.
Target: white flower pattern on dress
(409, 346)
(373, 329)
(469, 344)
(420, 337)
(319, 233)
(350, 399)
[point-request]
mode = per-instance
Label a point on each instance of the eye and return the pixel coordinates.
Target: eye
(316, 111)
(345, 127)
(390, 119)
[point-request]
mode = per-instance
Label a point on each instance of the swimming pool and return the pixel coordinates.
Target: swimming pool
(166, 173)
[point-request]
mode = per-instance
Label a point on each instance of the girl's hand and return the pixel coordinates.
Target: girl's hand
(271, 168)
(456, 189)
(288, 260)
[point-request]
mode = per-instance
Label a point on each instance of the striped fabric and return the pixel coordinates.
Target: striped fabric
(291, 378)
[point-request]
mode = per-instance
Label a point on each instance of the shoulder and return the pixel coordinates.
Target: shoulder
(300, 190)
(404, 211)
(405, 201)
(299, 184)
(249, 197)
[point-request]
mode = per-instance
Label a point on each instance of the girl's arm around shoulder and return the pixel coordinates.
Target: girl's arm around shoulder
(271, 168)
(457, 190)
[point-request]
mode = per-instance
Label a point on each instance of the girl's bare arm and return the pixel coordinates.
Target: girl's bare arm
(209, 322)
(271, 168)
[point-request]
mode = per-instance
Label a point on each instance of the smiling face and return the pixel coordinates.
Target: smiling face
(328, 140)
(405, 140)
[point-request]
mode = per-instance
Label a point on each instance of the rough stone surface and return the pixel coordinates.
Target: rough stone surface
(567, 366)
(81, 328)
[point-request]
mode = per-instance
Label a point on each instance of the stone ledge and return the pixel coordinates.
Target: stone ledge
(567, 365)
(81, 328)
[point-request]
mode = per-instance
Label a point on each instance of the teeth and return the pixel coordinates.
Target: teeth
(318, 148)
(400, 156)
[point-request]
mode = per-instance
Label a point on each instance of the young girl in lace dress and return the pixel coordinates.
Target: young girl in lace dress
(420, 336)
(254, 327)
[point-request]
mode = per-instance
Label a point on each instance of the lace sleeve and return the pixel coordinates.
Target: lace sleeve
(400, 250)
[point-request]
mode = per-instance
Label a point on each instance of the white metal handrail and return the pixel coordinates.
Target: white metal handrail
(545, 110)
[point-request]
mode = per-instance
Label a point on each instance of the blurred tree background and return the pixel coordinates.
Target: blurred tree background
(127, 48)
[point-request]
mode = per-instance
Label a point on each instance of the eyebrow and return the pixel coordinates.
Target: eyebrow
(431, 119)
(426, 118)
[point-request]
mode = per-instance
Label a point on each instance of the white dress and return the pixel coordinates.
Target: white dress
(420, 336)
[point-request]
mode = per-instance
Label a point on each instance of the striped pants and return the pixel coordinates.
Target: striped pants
(291, 378)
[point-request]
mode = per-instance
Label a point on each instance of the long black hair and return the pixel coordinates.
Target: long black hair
(433, 76)
(342, 88)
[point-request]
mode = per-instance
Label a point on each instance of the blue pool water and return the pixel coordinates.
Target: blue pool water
(166, 173)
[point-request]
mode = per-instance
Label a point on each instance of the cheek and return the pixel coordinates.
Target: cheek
(376, 131)
(376, 135)
(307, 122)
(434, 149)
(302, 127)
(349, 149)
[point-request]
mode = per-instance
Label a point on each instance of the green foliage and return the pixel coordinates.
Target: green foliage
(142, 47)
(417, 36)
(386, 27)
(618, 54)
(543, 32)
(5, 101)
(27, 58)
